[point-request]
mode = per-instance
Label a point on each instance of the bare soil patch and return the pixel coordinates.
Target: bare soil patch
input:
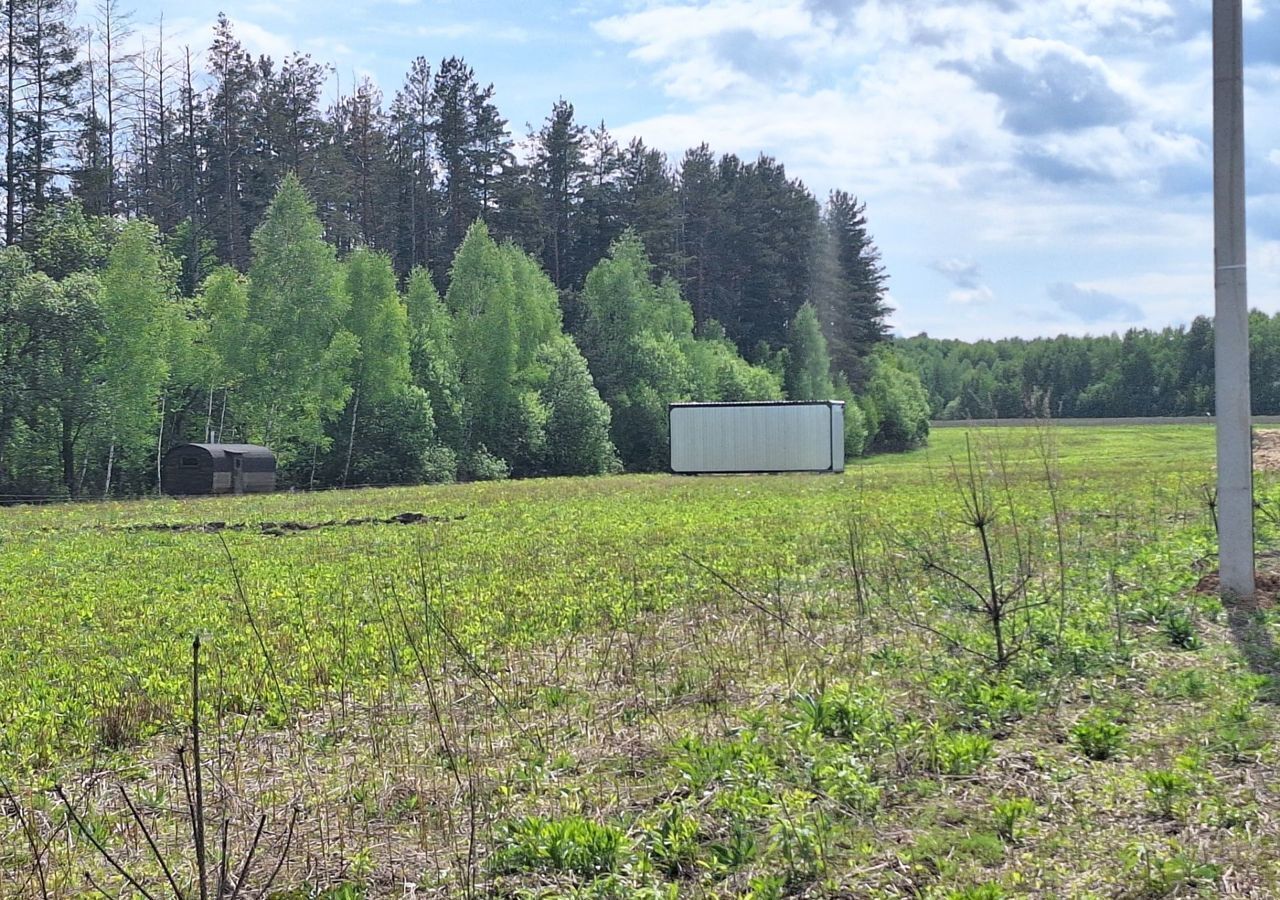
(1266, 450)
(277, 529)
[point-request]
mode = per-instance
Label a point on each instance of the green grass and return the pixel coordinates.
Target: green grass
(641, 685)
(98, 618)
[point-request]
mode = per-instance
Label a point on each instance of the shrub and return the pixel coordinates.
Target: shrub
(957, 752)
(1008, 814)
(843, 712)
(1166, 791)
(901, 406)
(481, 465)
(1181, 631)
(1098, 737)
(573, 844)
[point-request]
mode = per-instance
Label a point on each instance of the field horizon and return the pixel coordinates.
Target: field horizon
(978, 669)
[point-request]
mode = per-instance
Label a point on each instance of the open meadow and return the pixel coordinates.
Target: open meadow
(976, 670)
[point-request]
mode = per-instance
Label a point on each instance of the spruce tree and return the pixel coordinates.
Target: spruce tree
(851, 295)
(559, 169)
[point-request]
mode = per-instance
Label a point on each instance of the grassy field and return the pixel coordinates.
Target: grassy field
(975, 670)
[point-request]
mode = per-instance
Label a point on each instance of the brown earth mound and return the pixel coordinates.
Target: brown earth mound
(282, 528)
(1266, 450)
(1264, 597)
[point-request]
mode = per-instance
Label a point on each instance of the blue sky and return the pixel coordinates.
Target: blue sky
(1029, 167)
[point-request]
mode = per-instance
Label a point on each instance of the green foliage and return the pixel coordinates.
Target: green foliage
(896, 406)
(63, 240)
(672, 842)
(572, 845)
(224, 304)
(639, 341)
(1161, 871)
(1167, 791)
(1180, 629)
(136, 311)
(433, 357)
(481, 465)
(808, 367)
(989, 891)
(987, 703)
(577, 424)
(1097, 736)
(481, 298)
(801, 837)
(847, 781)
(298, 356)
(856, 431)
(843, 711)
(950, 752)
(394, 444)
(1009, 814)
(379, 322)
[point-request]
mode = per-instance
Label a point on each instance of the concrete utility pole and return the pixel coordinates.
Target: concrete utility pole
(1231, 315)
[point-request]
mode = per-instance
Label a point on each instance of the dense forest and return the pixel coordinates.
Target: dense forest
(1140, 373)
(389, 293)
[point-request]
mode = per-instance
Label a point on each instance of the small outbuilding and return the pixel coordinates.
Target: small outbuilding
(218, 469)
(767, 436)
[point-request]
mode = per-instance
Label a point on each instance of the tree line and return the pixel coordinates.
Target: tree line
(355, 378)
(1143, 372)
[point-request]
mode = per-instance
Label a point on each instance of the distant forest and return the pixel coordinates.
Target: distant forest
(387, 292)
(1140, 373)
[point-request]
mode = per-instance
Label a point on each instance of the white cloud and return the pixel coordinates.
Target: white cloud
(1054, 140)
(457, 30)
(979, 296)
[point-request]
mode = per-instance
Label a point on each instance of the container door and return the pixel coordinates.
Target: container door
(237, 475)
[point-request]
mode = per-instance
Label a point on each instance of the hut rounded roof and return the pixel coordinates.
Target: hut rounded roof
(247, 450)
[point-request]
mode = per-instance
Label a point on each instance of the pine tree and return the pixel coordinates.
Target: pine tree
(599, 218)
(362, 143)
(702, 218)
(559, 169)
(113, 29)
(412, 161)
(49, 49)
(232, 98)
(453, 96)
(650, 205)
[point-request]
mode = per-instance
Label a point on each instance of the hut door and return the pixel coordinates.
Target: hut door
(237, 475)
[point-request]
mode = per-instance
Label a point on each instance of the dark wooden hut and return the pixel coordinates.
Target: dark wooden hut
(218, 469)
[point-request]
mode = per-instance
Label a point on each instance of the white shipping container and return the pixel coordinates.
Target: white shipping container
(723, 438)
